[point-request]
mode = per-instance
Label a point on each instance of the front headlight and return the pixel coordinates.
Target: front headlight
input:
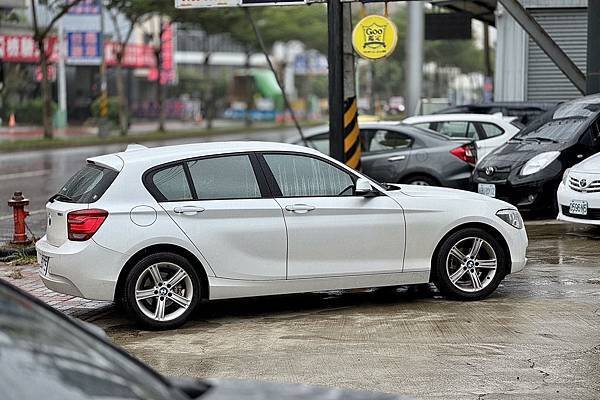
(566, 176)
(539, 162)
(511, 217)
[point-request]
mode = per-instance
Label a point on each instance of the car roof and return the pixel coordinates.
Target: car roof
(459, 117)
(137, 154)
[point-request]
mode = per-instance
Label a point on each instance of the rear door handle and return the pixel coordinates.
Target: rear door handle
(396, 158)
(300, 208)
(188, 210)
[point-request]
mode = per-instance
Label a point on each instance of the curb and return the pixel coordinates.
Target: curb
(9, 250)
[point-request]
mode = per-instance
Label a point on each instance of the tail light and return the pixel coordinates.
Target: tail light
(467, 153)
(83, 224)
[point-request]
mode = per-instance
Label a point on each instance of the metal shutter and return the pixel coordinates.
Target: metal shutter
(568, 28)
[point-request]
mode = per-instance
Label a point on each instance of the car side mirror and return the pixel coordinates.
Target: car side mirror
(363, 187)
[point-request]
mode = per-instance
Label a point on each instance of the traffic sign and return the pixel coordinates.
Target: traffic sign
(374, 37)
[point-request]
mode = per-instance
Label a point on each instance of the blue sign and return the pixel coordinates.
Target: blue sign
(86, 7)
(83, 47)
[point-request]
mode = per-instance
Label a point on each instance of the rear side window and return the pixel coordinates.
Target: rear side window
(491, 130)
(87, 185)
(222, 178)
(172, 183)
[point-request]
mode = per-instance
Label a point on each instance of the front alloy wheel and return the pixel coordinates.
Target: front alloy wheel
(162, 290)
(469, 265)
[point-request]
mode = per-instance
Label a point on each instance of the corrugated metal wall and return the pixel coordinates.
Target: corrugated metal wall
(568, 28)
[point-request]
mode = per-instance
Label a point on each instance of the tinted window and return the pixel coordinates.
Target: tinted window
(302, 176)
(172, 183)
(383, 140)
(560, 130)
(87, 185)
(453, 128)
(491, 130)
(230, 177)
(44, 356)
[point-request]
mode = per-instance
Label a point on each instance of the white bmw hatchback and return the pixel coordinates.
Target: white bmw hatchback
(578, 194)
(159, 230)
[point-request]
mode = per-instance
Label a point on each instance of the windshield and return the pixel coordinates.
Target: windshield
(87, 185)
(556, 130)
(43, 356)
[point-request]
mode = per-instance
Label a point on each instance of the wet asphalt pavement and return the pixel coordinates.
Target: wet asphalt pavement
(536, 337)
(39, 174)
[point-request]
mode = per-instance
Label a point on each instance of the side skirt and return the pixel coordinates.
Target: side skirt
(221, 288)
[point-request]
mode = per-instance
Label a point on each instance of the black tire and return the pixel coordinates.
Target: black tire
(424, 180)
(441, 274)
(141, 267)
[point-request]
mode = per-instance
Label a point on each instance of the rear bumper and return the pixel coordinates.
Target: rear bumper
(81, 269)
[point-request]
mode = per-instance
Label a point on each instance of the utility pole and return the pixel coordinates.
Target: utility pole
(336, 79)
(414, 56)
(103, 112)
(62, 78)
(593, 43)
(351, 139)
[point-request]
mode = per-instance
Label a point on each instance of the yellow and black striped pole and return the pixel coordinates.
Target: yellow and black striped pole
(352, 149)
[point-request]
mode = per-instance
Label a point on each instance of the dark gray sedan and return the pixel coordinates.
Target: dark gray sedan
(398, 153)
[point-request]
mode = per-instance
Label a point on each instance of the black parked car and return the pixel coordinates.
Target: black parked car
(46, 355)
(525, 111)
(527, 170)
(397, 153)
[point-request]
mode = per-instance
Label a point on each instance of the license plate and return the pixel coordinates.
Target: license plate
(578, 207)
(44, 263)
(487, 189)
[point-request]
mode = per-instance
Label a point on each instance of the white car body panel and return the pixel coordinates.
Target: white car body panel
(484, 146)
(256, 247)
(589, 170)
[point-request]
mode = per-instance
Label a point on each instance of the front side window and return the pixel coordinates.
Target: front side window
(303, 176)
(221, 178)
(172, 183)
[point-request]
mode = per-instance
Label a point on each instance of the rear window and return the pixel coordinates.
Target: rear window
(87, 185)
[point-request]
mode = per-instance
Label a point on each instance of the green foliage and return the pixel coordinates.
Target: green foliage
(113, 109)
(28, 112)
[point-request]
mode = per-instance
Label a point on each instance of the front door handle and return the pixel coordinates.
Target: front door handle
(299, 208)
(188, 210)
(396, 158)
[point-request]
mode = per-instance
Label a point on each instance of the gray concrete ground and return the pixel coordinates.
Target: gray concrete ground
(537, 337)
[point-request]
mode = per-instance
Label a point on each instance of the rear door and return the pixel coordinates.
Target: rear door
(221, 203)
(387, 153)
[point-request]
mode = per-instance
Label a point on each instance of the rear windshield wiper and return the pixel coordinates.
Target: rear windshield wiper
(61, 196)
(543, 139)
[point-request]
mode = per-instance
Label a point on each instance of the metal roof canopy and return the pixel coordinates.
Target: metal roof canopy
(482, 10)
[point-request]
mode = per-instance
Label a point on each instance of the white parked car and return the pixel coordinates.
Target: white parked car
(579, 193)
(161, 229)
(488, 131)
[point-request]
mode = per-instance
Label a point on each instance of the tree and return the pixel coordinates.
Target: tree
(58, 8)
(122, 7)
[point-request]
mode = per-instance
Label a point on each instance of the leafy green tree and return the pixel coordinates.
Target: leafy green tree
(57, 9)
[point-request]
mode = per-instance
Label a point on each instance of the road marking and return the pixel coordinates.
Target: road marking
(34, 212)
(28, 174)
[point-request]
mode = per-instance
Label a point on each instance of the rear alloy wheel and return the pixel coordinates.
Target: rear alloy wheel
(470, 265)
(162, 290)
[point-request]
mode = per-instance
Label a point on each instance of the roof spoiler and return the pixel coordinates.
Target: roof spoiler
(135, 146)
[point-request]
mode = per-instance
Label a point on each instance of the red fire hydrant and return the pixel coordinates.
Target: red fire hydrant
(18, 203)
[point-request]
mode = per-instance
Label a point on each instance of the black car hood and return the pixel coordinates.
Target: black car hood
(514, 154)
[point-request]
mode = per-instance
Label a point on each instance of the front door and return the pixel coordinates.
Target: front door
(386, 155)
(331, 231)
(219, 205)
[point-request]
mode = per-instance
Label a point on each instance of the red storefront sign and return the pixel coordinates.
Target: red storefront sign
(136, 55)
(167, 68)
(23, 49)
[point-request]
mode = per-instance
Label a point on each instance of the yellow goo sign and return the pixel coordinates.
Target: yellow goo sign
(374, 37)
